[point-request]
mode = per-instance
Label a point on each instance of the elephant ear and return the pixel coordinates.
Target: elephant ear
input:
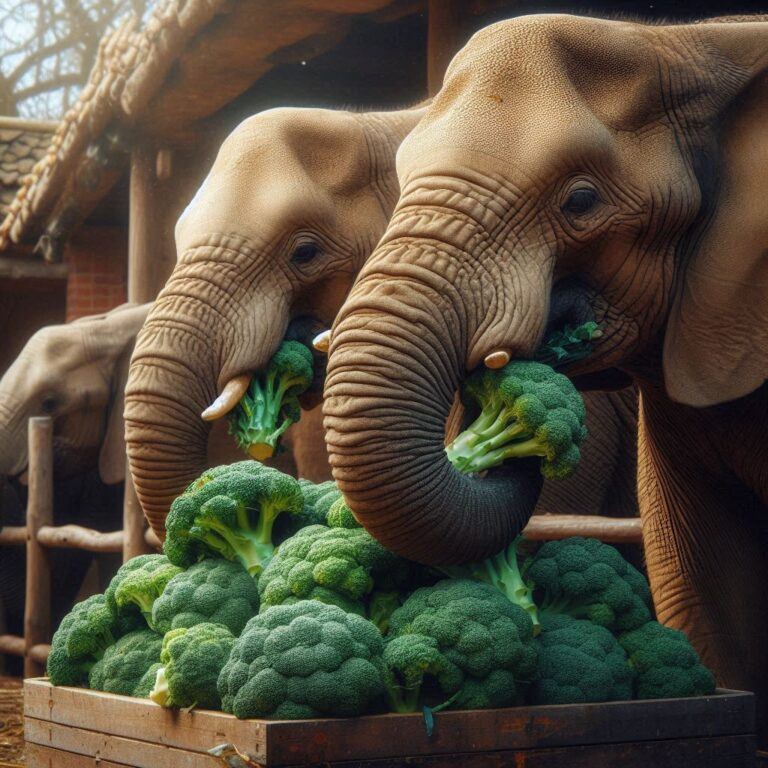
(716, 343)
(112, 456)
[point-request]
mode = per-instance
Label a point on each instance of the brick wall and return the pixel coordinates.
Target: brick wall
(97, 261)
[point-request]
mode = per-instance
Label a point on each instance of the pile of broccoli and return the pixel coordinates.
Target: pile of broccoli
(271, 403)
(319, 619)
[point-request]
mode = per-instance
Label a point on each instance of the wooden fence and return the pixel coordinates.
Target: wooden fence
(39, 535)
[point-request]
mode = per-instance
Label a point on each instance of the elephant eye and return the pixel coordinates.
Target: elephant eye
(304, 253)
(580, 201)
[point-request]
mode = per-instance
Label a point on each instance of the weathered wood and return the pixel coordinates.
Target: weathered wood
(47, 757)
(446, 30)
(13, 645)
(77, 537)
(152, 540)
(134, 542)
(13, 535)
(39, 653)
(388, 737)
(613, 530)
(37, 608)
(17, 268)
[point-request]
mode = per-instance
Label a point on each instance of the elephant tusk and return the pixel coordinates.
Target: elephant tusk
(497, 359)
(230, 396)
(322, 341)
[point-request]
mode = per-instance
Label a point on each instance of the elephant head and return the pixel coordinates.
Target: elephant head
(76, 374)
(292, 207)
(568, 167)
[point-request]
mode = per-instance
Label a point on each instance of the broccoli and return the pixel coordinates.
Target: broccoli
(568, 345)
(192, 659)
(666, 664)
(318, 498)
(587, 579)
(341, 516)
(125, 666)
(458, 642)
(526, 409)
(334, 565)
(381, 605)
(212, 590)
(83, 636)
(138, 583)
(579, 662)
(270, 404)
(501, 571)
(303, 660)
(229, 512)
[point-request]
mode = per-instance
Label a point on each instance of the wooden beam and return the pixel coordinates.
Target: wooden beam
(37, 609)
(613, 530)
(77, 537)
(13, 645)
(19, 268)
(446, 32)
(13, 535)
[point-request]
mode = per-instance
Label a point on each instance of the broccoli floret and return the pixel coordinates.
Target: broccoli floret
(318, 498)
(381, 605)
(270, 404)
(666, 664)
(341, 516)
(568, 344)
(229, 512)
(138, 583)
(192, 658)
(303, 660)
(125, 665)
(83, 636)
(526, 409)
(579, 662)
(501, 571)
(472, 648)
(588, 579)
(334, 565)
(212, 590)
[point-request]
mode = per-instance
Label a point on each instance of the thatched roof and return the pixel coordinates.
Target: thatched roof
(191, 58)
(22, 144)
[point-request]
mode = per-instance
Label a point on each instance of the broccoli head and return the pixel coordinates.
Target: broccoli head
(83, 636)
(318, 498)
(126, 666)
(334, 565)
(471, 647)
(212, 590)
(270, 404)
(229, 512)
(666, 664)
(341, 516)
(526, 409)
(138, 583)
(303, 660)
(579, 662)
(588, 579)
(192, 658)
(568, 344)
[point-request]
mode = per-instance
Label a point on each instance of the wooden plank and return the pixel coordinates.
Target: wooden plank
(388, 736)
(139, 754)
(78, 537)
(37, 603)
(13, 535)
(613, 530)
(39, 756)
(196, 731)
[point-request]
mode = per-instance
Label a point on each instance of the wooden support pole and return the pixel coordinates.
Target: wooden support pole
(77, 537)
(13, 535)
(134, 542)
(37, 609)
(13, 645)
(612, 530)
(446, 32)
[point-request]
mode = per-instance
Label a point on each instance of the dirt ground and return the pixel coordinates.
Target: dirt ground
(11, 723)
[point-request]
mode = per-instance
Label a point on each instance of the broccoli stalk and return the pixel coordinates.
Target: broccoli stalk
(526, 409)
(270, 404)
(160, 693)
(501, 571)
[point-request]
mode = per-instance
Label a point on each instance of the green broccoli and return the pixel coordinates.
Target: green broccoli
(588, 579)
(83, 636)
(579, 662)
(229, 512)
(125, 666)
(666, 664)
(318, 498)
(303, 660)
(341, 516)
(467, 645)
(270, 404)
(334, 565)
(192, 659)
(526, 409)
(212, 590)
(568, 345)
(138, 583)
(381, 605)
(501, 571)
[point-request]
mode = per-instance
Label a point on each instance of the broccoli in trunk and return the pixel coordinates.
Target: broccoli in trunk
(270, 404)
(127, 665)
(229, 512)
(526, 409)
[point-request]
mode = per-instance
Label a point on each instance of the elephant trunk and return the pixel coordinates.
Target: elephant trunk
(396, 362)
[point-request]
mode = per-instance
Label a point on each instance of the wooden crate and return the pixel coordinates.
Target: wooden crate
(75, 728)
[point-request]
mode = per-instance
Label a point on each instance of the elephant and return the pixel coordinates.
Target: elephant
(569, 168)
(270, 245)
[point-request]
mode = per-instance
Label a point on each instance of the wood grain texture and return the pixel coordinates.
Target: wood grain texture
(48, 757)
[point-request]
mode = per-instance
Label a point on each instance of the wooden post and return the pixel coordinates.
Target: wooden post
(134, 542)
(37, 609)
(446, 29)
